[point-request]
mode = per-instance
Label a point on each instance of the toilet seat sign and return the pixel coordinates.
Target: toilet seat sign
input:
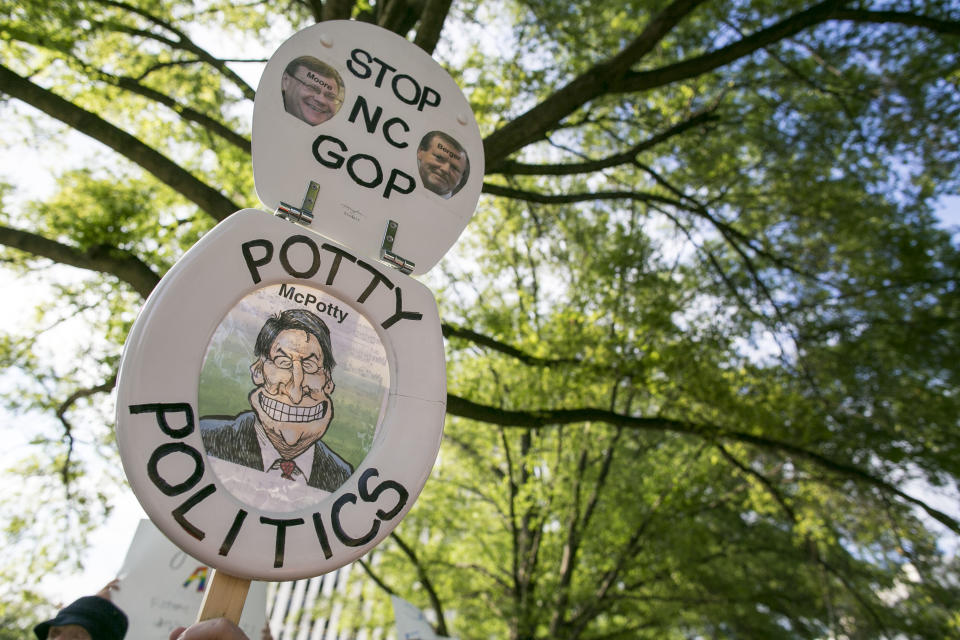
(280, 401)
(381, 128)
(281, 397)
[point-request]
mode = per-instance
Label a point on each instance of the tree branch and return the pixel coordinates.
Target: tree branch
(577, 525)
(453, 331)
(425, 581)
(336, 9)
(476, 456)
(133, 85)
(431, 24)
(533, 125)
(68, 427)
(184, 43)
(510, 167)
(555, 417)
(391, 14)
(762, 479)
(572, 198)
(600, 597)
(167, 171)
(829, 10)
(376, 578)
(106, 259)
(947, 27)
(187, 113)
(643, 80)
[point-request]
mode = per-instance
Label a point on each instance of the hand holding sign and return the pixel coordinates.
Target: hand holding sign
(217, 629)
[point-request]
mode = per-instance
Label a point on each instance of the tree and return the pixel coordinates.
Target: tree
(701, 332)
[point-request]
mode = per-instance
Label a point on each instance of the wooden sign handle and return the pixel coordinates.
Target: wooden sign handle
(224, 597)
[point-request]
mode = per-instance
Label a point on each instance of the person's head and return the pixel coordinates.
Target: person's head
(312, 90)
(442, 162)
(69, 632)
(88, 618)
(292, 374)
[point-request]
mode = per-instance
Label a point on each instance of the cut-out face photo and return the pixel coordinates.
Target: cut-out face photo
(443, 164)
(311, 89)
(266, 425)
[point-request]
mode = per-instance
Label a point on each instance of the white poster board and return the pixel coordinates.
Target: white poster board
(161, 588)
(412, 624)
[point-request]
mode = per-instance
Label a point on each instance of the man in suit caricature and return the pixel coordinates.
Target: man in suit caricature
(291, 407)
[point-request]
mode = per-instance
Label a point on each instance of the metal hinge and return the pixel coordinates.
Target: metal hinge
(304, 213)
(386, 250)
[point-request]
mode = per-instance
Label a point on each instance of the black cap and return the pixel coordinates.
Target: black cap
(100, 617)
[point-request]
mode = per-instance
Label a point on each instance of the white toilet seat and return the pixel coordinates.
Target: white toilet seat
(365, 159)
(158, 419)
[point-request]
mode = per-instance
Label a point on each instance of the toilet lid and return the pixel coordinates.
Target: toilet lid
(383, 132)
(280, 400)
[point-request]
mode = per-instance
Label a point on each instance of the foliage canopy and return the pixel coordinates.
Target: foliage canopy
(701, 333)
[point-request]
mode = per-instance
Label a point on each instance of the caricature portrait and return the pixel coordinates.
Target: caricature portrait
(291, 395)
(291, 407)
(311, 89)
(443, 164)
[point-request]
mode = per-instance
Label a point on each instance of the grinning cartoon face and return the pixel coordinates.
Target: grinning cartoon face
(310, 96)
(441, 166)
(292, 396)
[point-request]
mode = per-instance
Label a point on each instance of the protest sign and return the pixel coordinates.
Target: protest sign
(281, 397)
(161, 588)
(411, 623)
(363, 400)
(382, 130)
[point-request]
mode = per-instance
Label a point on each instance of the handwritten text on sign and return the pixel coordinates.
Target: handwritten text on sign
(300, 257)
(364, 169)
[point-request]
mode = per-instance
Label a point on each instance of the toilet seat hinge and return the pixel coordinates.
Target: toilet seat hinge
(386, 250)
(304, 213)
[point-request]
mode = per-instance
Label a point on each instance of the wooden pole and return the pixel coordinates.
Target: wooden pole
(224, 597)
